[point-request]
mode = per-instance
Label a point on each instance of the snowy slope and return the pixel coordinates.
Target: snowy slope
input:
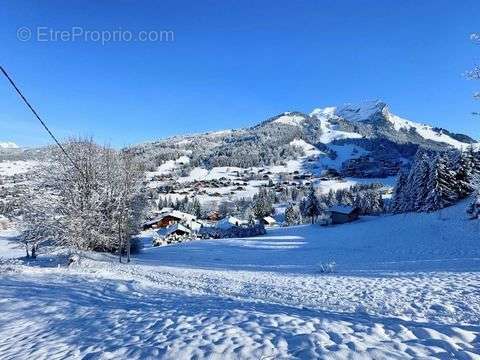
(395, 295)
(363, 111)
(329, 131)
(424, 131)
(8, 247)
(377, 110)
(290, 119)
(307, 148)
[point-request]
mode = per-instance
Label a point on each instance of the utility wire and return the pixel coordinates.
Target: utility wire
(41, 121)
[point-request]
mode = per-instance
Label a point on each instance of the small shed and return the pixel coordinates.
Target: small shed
(341, 214)
(268, 221)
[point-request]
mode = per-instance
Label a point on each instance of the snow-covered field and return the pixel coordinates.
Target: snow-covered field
(405, 286)
(10, 168)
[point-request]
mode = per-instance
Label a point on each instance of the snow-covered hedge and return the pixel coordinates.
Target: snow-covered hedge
(233, 232)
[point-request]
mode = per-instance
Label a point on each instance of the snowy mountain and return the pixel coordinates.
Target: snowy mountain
(377, 114)
(8, 145)
(383, 142)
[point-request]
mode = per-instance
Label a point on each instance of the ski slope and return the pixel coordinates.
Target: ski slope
(405, 286)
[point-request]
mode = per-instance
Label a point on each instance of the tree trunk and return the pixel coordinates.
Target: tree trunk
(26, 249)
(128, 250)
(119, 243)
(34, 251)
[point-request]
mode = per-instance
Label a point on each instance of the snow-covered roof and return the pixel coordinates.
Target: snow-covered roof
(174, 213)
(228, 222)
(269, 220)
(343, 209)
(154, 220)
(175, 227)
(182, 215)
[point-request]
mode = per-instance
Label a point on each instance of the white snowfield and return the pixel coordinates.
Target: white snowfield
(405, 286)
(11, 168)
(8, 145)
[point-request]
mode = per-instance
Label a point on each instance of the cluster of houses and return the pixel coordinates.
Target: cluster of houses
(237, 181)
(172, 226)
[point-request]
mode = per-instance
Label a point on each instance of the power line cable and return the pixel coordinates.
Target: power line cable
(41, 121)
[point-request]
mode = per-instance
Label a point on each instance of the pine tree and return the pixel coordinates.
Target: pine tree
(412, 190)
(474, 207)
(464, 173)
(330, 198)
(440, 186)
(262, 203)
(311, 206)
(194, 207)
(475, 156)
(421, 179)
(399, 193)
(292, 215)
(161, 203)
(377, 203)
(369, 202)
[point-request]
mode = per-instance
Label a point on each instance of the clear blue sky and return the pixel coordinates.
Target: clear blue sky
(233, 64)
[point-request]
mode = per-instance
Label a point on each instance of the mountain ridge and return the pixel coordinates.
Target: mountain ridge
(386, 141)
(348, 115)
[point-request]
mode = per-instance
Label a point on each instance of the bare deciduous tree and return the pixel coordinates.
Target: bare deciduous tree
(474, 74)
(95, 207)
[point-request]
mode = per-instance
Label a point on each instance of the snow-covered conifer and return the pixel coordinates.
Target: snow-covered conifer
(262, 203)
(441, 185)
(292, 215)
(421, 178)
(311, 207)
(464, 173)
(398, 198)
